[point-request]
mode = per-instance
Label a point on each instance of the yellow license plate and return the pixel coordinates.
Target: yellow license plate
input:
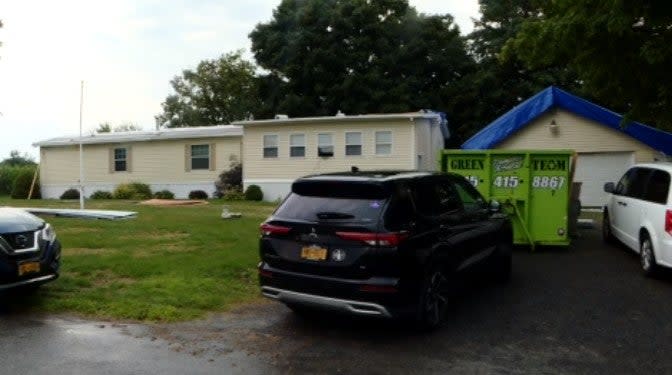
(313, 253)
(29, 267)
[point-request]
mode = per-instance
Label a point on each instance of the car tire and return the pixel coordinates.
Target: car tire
(433, 301)
(647, 256)
(607, 235)
(501, 262)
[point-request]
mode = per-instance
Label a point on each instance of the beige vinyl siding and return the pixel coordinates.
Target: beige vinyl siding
(286, 167)
(149, 162)
(576, 133)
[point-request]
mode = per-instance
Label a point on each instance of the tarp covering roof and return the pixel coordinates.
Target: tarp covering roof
(552, 97)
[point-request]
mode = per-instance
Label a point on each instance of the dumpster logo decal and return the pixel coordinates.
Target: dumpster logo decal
(549, 165)
(507, 164)
(467, 164)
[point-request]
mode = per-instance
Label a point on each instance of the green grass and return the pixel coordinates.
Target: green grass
(168, 264)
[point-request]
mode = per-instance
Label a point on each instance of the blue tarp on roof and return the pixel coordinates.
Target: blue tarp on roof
(553, 97)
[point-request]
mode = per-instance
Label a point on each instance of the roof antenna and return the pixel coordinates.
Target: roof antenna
(354, 169)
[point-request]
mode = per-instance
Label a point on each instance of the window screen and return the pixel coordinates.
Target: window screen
(271, 146)
(200, 157)
(297, 145)
(384, 143)
(120, 157)
(353, 143)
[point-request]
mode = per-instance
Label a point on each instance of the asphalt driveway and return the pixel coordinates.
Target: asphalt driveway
(586, 309)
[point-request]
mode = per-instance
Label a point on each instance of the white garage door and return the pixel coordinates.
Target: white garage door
(596, 169)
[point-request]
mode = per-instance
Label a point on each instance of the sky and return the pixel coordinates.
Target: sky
(126, 52)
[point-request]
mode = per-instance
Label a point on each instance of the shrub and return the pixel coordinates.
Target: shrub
(8, 174)
(70, 194)
(21, 185)
(254, 193)
(164, 194)
(229, 180)
(99, 194)
(234, 195)
(198, 194)
(133, 190)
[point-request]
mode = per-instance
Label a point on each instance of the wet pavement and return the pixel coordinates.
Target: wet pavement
(585, 309)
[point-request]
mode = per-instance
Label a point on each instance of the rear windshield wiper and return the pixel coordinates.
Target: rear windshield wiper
(333, 215)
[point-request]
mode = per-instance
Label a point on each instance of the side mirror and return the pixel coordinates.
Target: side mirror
(495, 206)
(609, 187)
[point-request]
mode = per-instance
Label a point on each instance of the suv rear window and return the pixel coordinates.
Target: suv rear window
(321, 208)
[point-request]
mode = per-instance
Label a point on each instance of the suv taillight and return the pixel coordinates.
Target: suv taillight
(668, 222)
(375, 239)
(268, 229)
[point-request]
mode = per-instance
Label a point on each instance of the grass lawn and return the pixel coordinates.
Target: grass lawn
(168, 264)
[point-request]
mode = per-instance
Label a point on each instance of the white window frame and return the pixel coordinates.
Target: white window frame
(115, 159)
(276, 147)
(331, 138)
(376, 143)
(360, 144)
(302, 145)
(192, 157)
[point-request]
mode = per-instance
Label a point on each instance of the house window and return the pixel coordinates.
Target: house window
(120, 159)
(325, 145)
(297, 145)
(353, 143)
(200, 157)
(271, 146)
(384, 143)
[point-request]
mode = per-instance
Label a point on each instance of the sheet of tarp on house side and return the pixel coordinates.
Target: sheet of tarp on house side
(82, 214)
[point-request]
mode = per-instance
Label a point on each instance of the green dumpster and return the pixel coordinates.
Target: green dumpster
(532, 186)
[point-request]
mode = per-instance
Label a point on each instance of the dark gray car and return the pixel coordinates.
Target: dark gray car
(30, 254)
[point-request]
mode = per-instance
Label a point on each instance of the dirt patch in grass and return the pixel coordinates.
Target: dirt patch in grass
(158, 236)
(77, 230)
(163, 249)
(86, 251)
(105, 278)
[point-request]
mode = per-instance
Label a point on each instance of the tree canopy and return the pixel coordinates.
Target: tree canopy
(358, 57)
(16, 159)
(621, 51)
(219, 91)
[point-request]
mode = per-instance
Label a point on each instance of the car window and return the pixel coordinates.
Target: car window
(400, 211)
(624, 182)
(637, 183)
(658, 188)
(316, 208)
(471, 198)
(435, 197)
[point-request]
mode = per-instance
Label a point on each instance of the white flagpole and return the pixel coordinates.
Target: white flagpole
(81, 149)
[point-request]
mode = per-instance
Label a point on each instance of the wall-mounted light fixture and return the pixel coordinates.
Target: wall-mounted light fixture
(553, 127)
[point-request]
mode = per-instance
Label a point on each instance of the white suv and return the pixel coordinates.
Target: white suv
(639, 214)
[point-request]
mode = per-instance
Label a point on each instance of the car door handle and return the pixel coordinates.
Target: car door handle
(622, 203)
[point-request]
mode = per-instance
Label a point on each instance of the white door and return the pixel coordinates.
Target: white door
(595, 169)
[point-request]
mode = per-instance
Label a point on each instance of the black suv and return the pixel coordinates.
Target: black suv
(380, 243)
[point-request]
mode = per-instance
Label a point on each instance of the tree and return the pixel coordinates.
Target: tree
(357, 57)
(498, 84)
(104, 127)
(127, 127)
(217, 92)
(16, 159)
(621, 51)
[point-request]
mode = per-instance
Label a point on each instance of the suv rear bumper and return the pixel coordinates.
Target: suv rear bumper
(384, 297)
(334, 304)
